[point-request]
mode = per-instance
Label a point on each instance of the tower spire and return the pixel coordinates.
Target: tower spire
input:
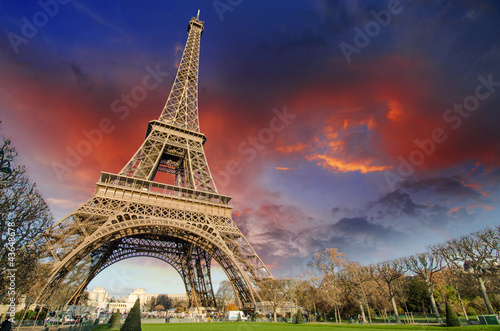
(181, 108)
(174, 144)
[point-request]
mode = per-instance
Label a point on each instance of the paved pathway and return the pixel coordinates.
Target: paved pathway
(40, 328)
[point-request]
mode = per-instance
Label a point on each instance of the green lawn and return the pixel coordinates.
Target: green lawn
(250, 326)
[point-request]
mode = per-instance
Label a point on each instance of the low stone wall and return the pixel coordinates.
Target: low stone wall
(187, 320)
(5, 308)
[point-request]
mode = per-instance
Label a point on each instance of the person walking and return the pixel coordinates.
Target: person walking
(6, 325)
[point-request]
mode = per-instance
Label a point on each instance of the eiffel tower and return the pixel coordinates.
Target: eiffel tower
(130, 215)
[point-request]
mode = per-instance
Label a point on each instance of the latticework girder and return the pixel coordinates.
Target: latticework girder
(173, 150)
(124, 208)
(191, 262)
(185, 225)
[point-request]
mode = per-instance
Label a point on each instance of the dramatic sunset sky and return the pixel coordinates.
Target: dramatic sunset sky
(388, 138)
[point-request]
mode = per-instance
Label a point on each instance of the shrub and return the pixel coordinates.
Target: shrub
(478, 305)
(133, 320)
(495, 301)
(114, 321)
(231, 307)
(42, 315)
(239, 318)
(299, 319)
(451, 316)
(471, 311)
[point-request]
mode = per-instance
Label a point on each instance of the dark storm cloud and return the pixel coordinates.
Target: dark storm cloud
(452, 187)
(396, 203)
(381, 228)
(360, 238)
(284, 243)
(495, 174)
(82, 78)
(354, 236)
(438, 217)
(335, 210)
(360, 229)
(462, 214)
(399, 209)
(280, 233)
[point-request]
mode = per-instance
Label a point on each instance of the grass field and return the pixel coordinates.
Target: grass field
(250, 326)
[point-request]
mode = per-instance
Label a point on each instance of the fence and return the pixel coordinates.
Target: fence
(84, 326)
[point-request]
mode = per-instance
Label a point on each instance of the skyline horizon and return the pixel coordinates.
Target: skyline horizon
(96, 287)
(325, 133)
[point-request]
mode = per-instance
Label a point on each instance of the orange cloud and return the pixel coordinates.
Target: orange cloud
(338, 165)
(291, 148)
(395, 112)
(479, 205)
(378, 113)
(283, 168)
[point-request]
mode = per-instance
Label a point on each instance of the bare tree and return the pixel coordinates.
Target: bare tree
(275, 291)
(312, 285)
(5, 169)
(426, 265)
(23, 216)
(225, 294)
(353, 278)
(388, 275)
(328, 262)
(491, 239)
(292, 288)
(472, 255)
(304, 294)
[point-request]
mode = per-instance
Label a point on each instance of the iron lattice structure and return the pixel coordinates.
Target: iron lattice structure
(186, 224)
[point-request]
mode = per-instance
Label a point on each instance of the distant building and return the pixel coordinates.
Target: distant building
(122, 299)
(178, 297)
(118, 306)
(98, 298)
(141, 295)
(146, 298)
